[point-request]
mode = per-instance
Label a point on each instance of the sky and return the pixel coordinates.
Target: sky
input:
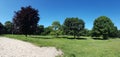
(59, 10)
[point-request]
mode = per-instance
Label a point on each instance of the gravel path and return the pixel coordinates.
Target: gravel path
(16, 48)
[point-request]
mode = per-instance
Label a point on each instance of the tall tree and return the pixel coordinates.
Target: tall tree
(2, 29)
(56, 27)
(73, 25)
(102, 27)
(25, 20)
(8, 27)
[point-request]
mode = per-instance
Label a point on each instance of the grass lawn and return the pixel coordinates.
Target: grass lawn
(76, 47)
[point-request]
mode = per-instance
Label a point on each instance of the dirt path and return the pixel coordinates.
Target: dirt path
(16, 48)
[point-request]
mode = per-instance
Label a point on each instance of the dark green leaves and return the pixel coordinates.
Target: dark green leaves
(73, 26)
(103, 26)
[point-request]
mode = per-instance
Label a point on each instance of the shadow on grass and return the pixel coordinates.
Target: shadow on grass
(40, 37)
(97, 38)
(43, 37)
(78, 38)
(63, 37)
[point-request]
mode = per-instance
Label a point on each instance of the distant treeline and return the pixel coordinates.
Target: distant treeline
(25, 21)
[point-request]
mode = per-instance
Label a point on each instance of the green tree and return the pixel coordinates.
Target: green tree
(73, 25)
(118, 35)
(85, 32)
(39, 29)
(113, 32)
(102, 27)
(8, 25)
(25, 20)
(2, 29)
(56, 27)
(47, 30)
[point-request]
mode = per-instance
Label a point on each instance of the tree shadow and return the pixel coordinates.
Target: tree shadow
(63, 37)
(97, 38)
(42, 37)
(78, 38)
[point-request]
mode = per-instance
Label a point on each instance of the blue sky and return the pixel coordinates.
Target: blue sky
(58, 10)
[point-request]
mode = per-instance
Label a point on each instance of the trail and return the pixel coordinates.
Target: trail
(16, 48)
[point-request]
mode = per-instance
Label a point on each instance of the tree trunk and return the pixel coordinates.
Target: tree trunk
(25, 35)
(74, 36)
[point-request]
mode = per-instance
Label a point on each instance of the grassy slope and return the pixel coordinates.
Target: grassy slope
(77, 48)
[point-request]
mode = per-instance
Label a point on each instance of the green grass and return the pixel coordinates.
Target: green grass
(76, 48)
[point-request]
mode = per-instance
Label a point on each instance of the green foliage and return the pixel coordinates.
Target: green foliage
(52, 33)
(114, 32)
(8, 26)
(102, 27)
(56, 25)
(56, 28)
(2, 29)
(47, 30)
(39, 30)
(118, 34)
(85, 32)
(25, 20)
(73, 26)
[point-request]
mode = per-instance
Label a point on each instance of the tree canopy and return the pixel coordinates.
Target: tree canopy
(56, 25)
(25, 20)
(8, 26)
(39, 29)
(73, 25)
(56, 28)
(102, 27)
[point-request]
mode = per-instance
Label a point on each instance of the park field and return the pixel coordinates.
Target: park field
(82, 47)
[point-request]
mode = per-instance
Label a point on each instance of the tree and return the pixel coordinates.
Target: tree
(85, 32)
(114, 32)
(8, 27)
(25, 20)
(73, 25)
(39, 29)
(2, 29)
(118, 33)
(56, 27)
(47, 30)
(102, 27)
